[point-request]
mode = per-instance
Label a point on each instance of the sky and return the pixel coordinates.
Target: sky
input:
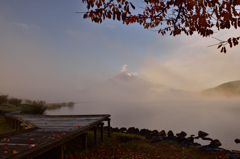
(49, 52)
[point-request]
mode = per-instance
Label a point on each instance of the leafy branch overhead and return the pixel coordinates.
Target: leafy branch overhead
(172, 16)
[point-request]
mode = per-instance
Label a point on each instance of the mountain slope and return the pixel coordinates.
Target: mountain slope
(229, 89)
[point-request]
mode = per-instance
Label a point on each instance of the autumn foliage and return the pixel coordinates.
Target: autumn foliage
(172, 16)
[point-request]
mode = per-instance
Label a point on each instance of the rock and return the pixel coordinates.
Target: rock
(237, 141)
(171, 138)
(162, 133)
(206, 148)
(215, 143)
(123, 129)
(154, 133)
(181, 139)
(115, 129)
(202, 134)
(233, 156)
(144, 131)
(106, 128)
(156, 139)
(170, 133)
(182, 134)
(195, 144)
(190, 139)
(132, 130)
(186, 142)
(236, 151)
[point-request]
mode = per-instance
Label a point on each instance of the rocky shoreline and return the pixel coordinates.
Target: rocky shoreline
(182, 139)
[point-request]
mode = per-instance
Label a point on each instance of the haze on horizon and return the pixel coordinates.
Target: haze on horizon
(48, 52)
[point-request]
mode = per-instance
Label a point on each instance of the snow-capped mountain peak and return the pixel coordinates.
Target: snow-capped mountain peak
(128, 74)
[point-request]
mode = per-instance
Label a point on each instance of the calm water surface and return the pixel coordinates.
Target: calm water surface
(220, 119)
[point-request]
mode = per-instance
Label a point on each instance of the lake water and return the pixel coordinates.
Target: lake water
(219, 118)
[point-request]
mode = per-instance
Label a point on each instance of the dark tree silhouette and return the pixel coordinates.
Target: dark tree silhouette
(172, 16)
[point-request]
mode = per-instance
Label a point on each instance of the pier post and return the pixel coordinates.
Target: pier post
(60, 150)
(15, 124)
(102, 131)
(84, 137)
(95, 135)
(108, 126)
(18, 125)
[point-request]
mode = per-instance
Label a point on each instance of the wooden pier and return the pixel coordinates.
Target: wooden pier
(40, 133)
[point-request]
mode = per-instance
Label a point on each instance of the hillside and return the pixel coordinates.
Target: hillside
(229, 89)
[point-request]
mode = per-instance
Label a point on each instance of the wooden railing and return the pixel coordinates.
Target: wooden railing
(2, 112)
(17, 123)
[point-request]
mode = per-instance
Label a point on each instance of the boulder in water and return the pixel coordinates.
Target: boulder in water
(202, 134)
(215, 143)
(182, 134)
(237, 141)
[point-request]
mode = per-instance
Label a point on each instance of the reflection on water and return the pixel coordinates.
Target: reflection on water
(220, 119)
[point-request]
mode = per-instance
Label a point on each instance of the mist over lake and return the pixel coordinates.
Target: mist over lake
(219, 118)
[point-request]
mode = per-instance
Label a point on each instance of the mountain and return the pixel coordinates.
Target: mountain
(229, 89)
(130, 83)
(126, 86)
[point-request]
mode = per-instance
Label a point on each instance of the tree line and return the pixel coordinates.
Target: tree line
(4, 99)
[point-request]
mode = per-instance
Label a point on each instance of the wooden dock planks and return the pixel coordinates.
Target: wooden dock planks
(48, 132)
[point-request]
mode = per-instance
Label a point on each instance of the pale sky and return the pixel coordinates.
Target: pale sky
(49, 52)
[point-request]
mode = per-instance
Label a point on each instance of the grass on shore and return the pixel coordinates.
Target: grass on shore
(4, 127)
(126, 146)
(10, 107)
